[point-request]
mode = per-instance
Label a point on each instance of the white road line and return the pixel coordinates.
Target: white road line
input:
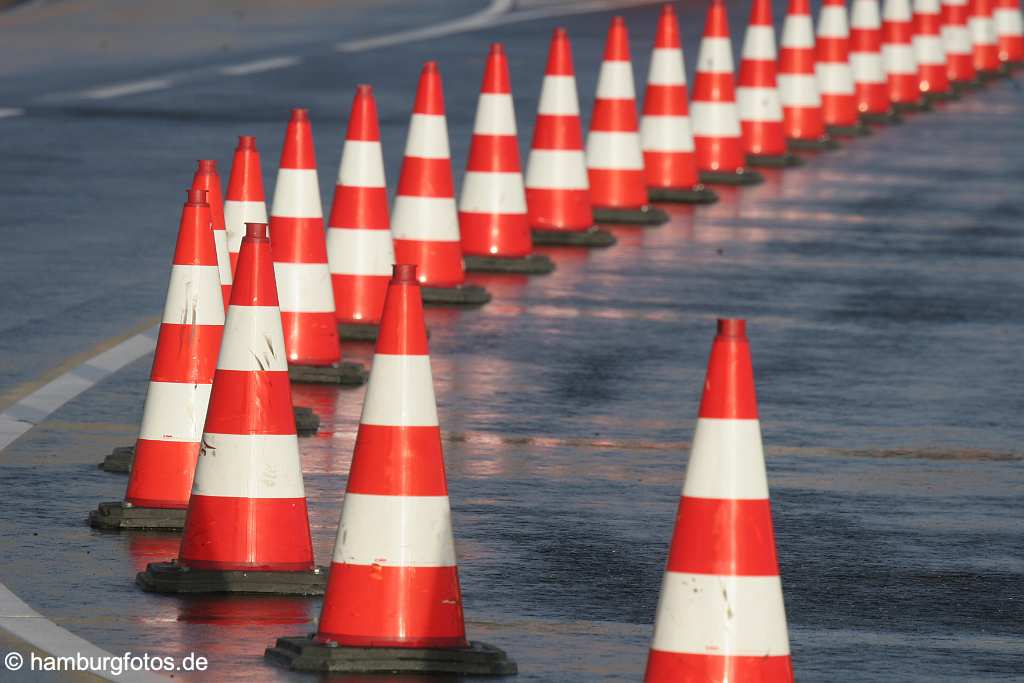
(10, 112)
(259, 66)
(132, 88)
(472, 22)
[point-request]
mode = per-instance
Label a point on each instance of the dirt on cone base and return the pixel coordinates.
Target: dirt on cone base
(532, 264)
(461, 295)
(741, 177)
(171, 578)
(118, 515)
(698, 194)
(358, 331)
(591, 237)
(305, 654)
(822, 144)
(787, 160)
(345, 373)
(645, 215)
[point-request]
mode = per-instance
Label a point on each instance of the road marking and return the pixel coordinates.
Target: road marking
(6, 113)
(259, 66)
(472, 22)
(132, 88)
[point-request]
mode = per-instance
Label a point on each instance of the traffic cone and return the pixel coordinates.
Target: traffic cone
(179, 384)
(207, 178)
(360, 250)
(557, 189)
(986, 46)
(717, 136)
(959, 46)
(932, 73)
(869, 78)
(393, 601)
(721, 615)
(424, 221)
(1006, 15)
(665, 133)
(615, 160)
(803, 121)
(245, 202)
(898, 55)
(300, 265)
(835, 78)
(492, 208)
(247, 528)
(758, 94)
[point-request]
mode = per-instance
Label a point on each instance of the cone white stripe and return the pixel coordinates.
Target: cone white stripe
(667, 67)
(715, 56)
(190, 299)
(236, 215)
(249, 466)
(715, 119)
(400, 392)
(425, 218)
(1008, 21)
(353, 251)
(495, 115)
(406, 531)
(175, 411)
(557, 169)
(835, 78)
(899, 59)
(220, 243)
(759, 44)
(897, 10)
(928, 6)
(615, 82)
(297, 194)
(304, 287)
(253, 340)
(362, 164)
(705, 614)
(799, 90)
(867, 67)
(759, 104)
(864, 15)
(832, 22)
(614, 150)
(959, 3)
(492, 193)
(928, 50)
(666, 134)
(798, 32)
(558, 96)
(957, 39)
(983, 31)
(428, 137)
(741, 476)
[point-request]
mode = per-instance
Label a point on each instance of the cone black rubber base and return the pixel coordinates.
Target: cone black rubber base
(787, 160)
(741, 177)
(118, 515)
(911, 107)
(881, 119)
(532, 264)
(645, 215)
(1002, 72)
(462, 295)
(948, 96)
(822, 144)
(857, 130)
(119, 460)
(345, 373)
(698, 194)
(591, 237)
(962, 87)
(358, 332)
(171, 578)
(307, 423)
(304, 654)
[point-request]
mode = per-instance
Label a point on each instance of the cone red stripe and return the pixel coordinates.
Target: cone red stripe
(865, 40)
(797, 60)
(195, 244)
(728, 387)
(164, 473)
(614, 115)
(713, 88)
(395, 337)
(359, 298)
(246, 534)
(703, 544)
(297, 240)
(246, 182)
(298, 143)
(559, 55)
(360, 207)
(440, 262)
(665, 100)
(305, 333)
(269, 392)
(406, 461)
(618, 187)
(186, 353)
(494, 153)
(374, 598)
(429, 93)
(560, 209)
(757, 73)
(249, 288)
(426, 178)
(557, 132)
(677, 666)
(898, 31)
(505, 234)
(362, 122)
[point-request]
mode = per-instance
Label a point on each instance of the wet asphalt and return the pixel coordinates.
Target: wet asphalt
(882, 284)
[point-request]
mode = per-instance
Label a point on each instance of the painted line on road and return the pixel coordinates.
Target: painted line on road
(259, 66)
(131, 88)
(10, 112)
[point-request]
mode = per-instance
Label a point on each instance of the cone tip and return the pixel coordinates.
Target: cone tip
(195, 197)
(560, 33)
(735, 328)
(618, 21)
(404, 273)
(497, 49)
(256, 230)
(667, 9)
(364, 90)
(430, 67)
(207, 167)
(300, 114)
(247, 142)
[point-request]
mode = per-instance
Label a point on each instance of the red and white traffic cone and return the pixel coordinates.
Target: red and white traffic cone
(665, 132)
(245, 202)
(557, 188)
(804, 123)
(959, 46)
(247, 528)
(615, 160)
(492, 207)
(207, 178)
(898, 55)
(179, 384)
(393, 601)
(869, 78)
(717, 136)
(758, 94)
(835, 78)
(360, 251)
(721, 615)
(986, 43)
(424, 219)
(932, 73)
(1006, 15)
(300, 264)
